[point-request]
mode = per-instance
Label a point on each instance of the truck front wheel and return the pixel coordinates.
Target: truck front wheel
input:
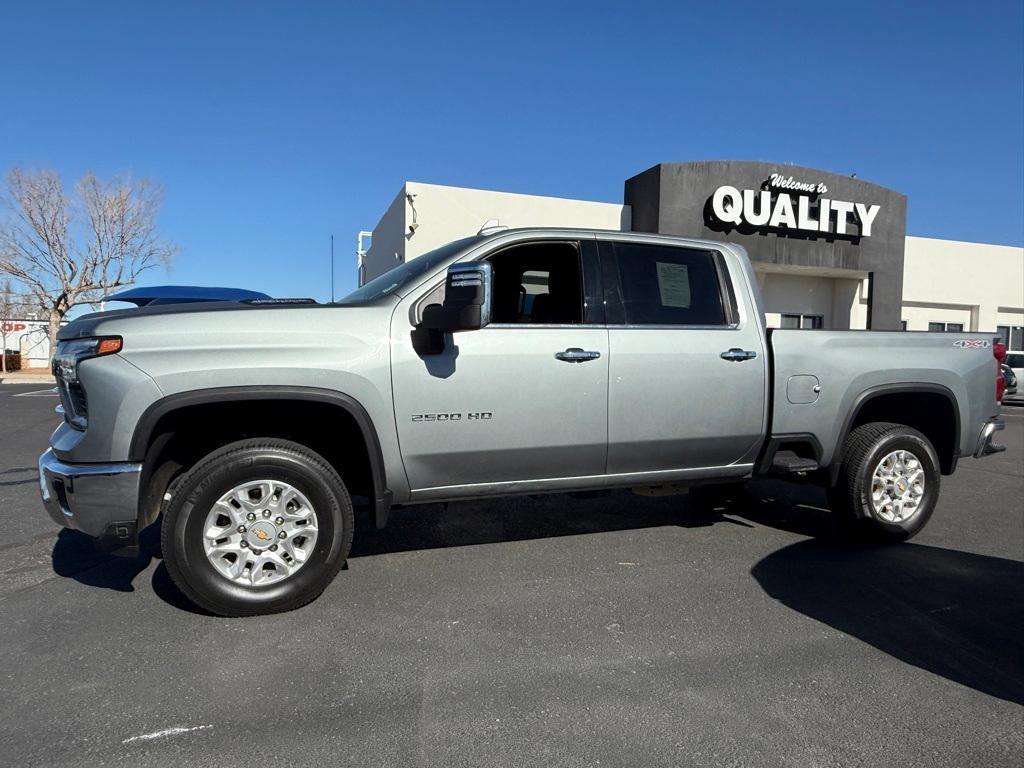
(258, 526)
(888, 482)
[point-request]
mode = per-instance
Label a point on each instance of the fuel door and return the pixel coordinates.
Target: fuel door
(802, 389)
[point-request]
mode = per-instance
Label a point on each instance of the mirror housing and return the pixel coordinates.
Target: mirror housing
(467, 299)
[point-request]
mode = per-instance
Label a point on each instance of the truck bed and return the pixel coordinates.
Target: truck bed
(849, 368)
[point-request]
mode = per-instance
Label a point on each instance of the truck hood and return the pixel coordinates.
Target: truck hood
(113, 322)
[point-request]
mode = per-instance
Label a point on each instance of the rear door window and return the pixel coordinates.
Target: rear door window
(665, 285)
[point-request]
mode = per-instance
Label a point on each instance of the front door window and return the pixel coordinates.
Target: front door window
(537, 284)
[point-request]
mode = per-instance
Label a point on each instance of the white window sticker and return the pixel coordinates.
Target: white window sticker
(674, 284)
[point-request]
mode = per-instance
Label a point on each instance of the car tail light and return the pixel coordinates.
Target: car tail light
(999, 353)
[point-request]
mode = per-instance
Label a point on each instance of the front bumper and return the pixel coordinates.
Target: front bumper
(100, 500)
(985, 446)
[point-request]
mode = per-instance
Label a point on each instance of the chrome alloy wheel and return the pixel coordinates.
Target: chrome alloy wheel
(260, 532)
(897, 486)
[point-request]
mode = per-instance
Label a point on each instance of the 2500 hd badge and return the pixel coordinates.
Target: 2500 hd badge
(474, 416)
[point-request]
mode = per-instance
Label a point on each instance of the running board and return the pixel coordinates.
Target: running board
(789, 462)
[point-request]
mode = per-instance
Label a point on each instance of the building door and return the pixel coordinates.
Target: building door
(687, 373)
(520, 404)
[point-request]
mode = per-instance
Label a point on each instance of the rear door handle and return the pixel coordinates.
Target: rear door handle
(736, 355)
(577, 355)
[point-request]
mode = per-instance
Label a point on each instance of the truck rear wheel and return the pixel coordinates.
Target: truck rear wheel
(888, 482)
(258, 526)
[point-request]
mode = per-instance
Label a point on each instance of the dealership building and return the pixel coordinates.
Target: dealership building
(829, 251)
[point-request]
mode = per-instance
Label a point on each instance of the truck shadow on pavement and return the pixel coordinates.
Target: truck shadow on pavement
(75, 556)
(955, 614)
(469, 523)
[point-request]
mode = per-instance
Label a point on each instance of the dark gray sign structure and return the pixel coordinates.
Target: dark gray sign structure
(785, 215)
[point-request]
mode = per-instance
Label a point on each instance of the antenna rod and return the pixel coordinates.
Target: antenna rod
(332, 269)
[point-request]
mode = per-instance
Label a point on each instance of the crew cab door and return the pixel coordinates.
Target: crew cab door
(520, 404)
(687, 363)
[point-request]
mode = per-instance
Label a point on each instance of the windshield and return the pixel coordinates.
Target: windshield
(406, 273)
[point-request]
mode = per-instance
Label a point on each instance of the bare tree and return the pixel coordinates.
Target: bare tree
(73, 250)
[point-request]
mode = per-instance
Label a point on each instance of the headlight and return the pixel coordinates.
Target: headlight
(73, 351)
(65, 369)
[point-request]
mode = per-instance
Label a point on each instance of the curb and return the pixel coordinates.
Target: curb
(41, 380)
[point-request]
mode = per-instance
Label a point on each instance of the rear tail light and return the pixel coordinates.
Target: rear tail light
(999, 353)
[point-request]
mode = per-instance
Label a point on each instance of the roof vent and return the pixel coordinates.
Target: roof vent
(491, 226)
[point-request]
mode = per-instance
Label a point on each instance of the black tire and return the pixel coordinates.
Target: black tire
(214, 475)
(850, 497)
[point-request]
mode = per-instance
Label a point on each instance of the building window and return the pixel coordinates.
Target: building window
(1012, 335)
(946, 327)
(903, 325)
(802, 321)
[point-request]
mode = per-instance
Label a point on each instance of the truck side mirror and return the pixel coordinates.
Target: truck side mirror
(467, 300)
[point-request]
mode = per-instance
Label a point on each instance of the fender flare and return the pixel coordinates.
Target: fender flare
(872, 393)
(151, 417)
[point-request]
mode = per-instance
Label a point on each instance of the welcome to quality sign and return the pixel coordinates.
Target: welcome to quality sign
(786, 203)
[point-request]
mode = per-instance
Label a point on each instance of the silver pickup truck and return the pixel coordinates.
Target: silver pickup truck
(525, 361)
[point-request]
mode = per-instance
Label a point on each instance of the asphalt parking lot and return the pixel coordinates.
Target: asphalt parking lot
(614, 631)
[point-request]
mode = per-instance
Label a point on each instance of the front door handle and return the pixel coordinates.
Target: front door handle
(577, 355)
(736, 355)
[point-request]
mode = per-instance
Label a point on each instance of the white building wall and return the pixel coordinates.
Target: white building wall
(917, 318)
(799, 294)
(29, 337)
(977, 284)
(387, 248)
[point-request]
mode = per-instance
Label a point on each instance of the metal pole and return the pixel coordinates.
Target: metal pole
(332, 269)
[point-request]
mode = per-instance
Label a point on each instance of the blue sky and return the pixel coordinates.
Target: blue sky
(274, 125)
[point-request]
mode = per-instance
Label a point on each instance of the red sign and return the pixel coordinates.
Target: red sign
(9, 327)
